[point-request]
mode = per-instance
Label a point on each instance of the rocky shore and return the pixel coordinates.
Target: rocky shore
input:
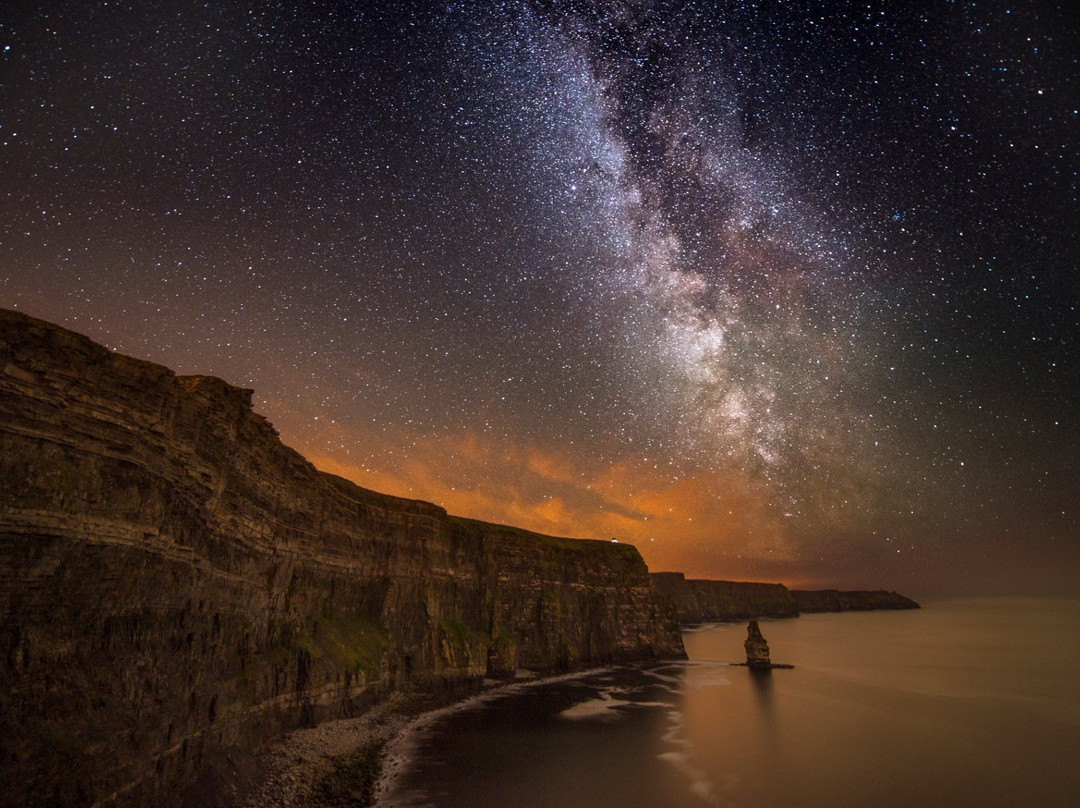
(334, 764)
(348, 763)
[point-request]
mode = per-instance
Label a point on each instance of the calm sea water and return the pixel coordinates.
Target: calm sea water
(962, 703)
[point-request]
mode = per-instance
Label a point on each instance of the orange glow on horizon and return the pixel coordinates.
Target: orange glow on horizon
(677, 523)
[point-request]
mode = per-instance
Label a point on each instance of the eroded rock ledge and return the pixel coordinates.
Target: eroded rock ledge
(177, 584)
(701, 600)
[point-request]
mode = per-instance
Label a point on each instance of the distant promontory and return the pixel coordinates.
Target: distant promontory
(702, 600)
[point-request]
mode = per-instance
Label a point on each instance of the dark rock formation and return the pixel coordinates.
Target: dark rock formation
(757, 650)
(177, 586)
(698, 601)
(833, 600)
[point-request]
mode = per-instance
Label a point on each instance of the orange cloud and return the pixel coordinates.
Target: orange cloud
(701, 524)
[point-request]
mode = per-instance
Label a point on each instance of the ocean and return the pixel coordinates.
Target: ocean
(965, 702)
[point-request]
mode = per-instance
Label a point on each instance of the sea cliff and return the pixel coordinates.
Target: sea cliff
(178, 587)
(857, 600)
(702, 600)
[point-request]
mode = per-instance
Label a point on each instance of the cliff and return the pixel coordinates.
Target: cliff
(178, 587)
(699, 601)
(833, 600)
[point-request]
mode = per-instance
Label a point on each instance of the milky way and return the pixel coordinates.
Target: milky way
(784, 293)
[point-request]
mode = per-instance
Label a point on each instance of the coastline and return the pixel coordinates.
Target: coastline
(400, 749)
(296, 765)
(938, 688)
(296, 769)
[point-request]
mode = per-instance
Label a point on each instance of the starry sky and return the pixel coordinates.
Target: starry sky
(772, 291)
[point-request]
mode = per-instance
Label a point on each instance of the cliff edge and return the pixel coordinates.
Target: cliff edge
(176, 584)
(857, 600)
(702, 600)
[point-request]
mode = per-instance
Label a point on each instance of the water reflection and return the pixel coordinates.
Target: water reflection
(603, 739)
(762, 681)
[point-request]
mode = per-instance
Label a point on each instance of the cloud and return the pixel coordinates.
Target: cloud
(709, 518)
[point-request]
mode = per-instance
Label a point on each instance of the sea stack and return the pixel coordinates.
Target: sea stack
(757, 650)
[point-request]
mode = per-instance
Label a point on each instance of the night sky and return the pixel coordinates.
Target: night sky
(772, 291)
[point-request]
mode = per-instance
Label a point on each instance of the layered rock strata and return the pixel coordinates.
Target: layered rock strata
(700, 600)
(757, 649)
(859, 600)
(176, 584)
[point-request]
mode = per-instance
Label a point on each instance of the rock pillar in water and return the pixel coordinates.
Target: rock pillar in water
(757, 650)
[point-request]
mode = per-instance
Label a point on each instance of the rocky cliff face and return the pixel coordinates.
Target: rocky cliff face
(757, 649)
(175, 583)
(699, 601)
(859, 600)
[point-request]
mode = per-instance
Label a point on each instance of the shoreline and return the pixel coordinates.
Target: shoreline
(400, 749)
(296, 767)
